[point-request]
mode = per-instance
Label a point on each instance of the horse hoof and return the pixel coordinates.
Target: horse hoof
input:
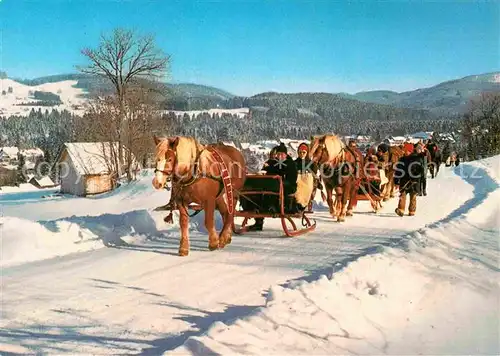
(183, 252)
(349, 213)
(213, 248)
(223, 242)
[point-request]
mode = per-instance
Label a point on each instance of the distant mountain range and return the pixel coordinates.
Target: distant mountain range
(444, 99)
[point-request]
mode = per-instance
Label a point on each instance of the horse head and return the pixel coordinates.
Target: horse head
(326, 149)
(174, 158)
(165, 160)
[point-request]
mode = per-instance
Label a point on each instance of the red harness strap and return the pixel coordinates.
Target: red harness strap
(226, 179)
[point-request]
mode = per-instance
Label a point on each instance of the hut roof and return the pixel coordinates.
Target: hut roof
(91, 158)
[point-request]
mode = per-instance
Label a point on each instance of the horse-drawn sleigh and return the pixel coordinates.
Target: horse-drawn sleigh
(270, 199)
(214, 177)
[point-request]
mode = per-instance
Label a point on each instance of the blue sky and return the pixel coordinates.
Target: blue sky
(247, 47)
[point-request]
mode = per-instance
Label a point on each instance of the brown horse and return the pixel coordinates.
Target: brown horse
(340, 169)
(207, 175)
(388, 161)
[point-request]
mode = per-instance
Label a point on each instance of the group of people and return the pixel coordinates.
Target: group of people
(281, 163)
(410, 175)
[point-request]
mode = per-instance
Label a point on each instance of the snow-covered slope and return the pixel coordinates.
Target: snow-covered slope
(13, 94)
(376, 284)
(435, 291)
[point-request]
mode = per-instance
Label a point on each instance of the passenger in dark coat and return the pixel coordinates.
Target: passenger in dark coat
(270, 166)
(258, 203)
(407, 176)
(284, 166)
(287, 169)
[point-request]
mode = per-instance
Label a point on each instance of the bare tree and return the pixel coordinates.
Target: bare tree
(100, 124)
(127, 60)
(143, 117)
(103, 120)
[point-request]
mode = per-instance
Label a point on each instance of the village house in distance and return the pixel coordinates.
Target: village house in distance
(85, 168)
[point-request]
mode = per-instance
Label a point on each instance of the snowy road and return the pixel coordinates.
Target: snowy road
(143, 298)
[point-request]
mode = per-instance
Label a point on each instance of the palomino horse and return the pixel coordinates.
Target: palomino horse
(389, 160)
(207, 175)
(340, 168)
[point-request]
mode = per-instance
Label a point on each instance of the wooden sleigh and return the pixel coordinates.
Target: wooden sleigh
(287, 218)
(366, 192)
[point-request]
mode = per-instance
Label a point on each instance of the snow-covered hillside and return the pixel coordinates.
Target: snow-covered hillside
(434, 291)
(376, 284)
(13, 94)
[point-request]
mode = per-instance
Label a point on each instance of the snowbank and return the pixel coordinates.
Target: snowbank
(26, 241)
(433, 292)
(23, 187)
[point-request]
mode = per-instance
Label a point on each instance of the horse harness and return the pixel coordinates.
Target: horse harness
(341, 164)
(225, 182)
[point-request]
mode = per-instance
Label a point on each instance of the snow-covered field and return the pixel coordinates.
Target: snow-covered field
(17, 93)
(102, 276)
(72, 99)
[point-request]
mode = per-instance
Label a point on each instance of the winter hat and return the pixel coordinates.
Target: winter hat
(409, 148)
(281, 148)
(303, 147)
(383, 148)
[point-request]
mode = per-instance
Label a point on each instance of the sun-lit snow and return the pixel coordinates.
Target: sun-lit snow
(434, 291)
(101, 275)
(71, 97)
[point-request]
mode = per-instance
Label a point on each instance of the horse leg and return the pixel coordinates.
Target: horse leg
(346, 195)
(213, 238)
(184, 224)
(339, 194)
(391, 185)
(329, 200)
(386, 190)
(353, 198)
(225, 233)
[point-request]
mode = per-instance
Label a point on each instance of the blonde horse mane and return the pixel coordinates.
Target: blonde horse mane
(334, 146)
(186, 151)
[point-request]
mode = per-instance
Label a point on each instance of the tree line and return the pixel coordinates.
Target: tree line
(132, 110)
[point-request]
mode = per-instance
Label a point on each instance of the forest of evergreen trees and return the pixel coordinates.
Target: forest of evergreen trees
(480, 127)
